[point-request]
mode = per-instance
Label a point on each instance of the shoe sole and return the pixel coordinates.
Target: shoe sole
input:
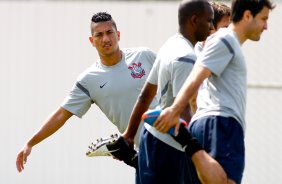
(100, 147)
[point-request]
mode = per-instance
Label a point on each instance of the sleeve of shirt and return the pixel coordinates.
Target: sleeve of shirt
(181, 68)
(151, 56)
(154, 73)
(216, 55)
(78, 101)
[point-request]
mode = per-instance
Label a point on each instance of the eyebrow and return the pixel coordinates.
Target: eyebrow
(109, 30)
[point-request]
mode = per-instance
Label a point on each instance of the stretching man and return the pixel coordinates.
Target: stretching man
(161, 158)
(219, 123)
(113, 83)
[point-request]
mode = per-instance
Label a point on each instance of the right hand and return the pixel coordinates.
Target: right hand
(22, 157)
(129, 139)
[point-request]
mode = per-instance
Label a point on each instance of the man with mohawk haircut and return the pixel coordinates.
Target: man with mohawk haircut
(113, 83)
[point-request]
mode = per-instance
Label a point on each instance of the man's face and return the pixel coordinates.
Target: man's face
(257, 25)
(105, 38)
(224, 22)
(204, 24)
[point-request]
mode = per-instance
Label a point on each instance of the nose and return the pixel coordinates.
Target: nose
(106, 38)
(265, 26)
(211, 26)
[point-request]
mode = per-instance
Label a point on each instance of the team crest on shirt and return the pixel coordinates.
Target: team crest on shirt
(136, 70)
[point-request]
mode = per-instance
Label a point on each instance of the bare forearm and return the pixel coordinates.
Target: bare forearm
(190, 87)
(142, 104)
(50, 126)
(193, 103)
(186, 114)
(135, 119)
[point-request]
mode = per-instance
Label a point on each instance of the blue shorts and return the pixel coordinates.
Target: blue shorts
(223, 139)
(160, 163)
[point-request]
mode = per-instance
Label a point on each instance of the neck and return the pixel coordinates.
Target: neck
(188, 36)
(239, 30)
(110, 60)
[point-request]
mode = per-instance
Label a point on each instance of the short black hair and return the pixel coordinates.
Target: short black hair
(189, 8)
(220, 10)
(238, 7)
(102, 17)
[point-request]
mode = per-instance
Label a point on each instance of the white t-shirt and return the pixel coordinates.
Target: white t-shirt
(198, 48)
(174, 63)
(114, 89)
(224, 92)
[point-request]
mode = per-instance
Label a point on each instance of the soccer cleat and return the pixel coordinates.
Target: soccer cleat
(115, 146)
(152, 115)
(100, 147)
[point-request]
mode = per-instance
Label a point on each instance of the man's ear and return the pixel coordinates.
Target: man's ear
(247, 16)
(91, 40)
(194, 20)
(118, 33)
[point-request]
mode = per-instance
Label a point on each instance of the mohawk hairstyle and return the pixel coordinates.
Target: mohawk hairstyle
(102, 17)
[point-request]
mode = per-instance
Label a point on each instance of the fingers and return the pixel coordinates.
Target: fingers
(166, 120)
(20, 161)
(176, 129)
(161, 125)
(163, 128)
(129, 140)
(22, 158)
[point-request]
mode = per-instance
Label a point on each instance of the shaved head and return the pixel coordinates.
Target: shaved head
(188, 8)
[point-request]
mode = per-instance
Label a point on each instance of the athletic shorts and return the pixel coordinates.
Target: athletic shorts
(160, 163)
(223, 139)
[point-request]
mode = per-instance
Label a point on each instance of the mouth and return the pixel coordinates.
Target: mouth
(107, 45)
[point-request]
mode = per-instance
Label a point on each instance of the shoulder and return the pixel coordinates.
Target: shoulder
(177, 47)
(139, 54)
(138, 51)
(230, 40)
(177, 40)
(90, 71)
(223, 35)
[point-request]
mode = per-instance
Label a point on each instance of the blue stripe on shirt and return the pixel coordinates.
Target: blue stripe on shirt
(227, 44)
(84, 90)
(185, 59)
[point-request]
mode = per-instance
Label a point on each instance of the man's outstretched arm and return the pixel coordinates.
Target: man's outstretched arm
(50, 126)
